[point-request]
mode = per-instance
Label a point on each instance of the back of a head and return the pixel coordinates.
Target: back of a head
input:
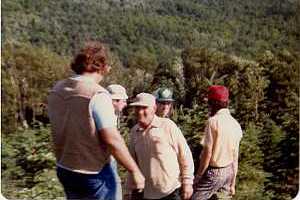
(218, 96)
(90, 58)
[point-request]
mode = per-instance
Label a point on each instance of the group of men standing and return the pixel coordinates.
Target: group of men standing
(87, 142)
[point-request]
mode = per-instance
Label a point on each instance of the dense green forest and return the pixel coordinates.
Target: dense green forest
(253, 47)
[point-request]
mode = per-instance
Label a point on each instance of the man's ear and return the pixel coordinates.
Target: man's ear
(155, 108)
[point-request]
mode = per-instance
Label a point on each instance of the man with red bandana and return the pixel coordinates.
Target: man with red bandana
(219, 158)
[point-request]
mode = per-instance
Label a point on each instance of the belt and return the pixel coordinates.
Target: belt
(213, 167)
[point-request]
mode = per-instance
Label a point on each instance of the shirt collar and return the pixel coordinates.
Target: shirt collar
(223, 111)
(154, 124)
(83, 78)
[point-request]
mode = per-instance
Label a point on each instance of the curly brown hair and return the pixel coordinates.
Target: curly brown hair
(91, 58)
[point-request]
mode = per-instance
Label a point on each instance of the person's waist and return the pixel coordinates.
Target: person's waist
(219, 167)
(155, 193)
(177, 190)
(76, 170)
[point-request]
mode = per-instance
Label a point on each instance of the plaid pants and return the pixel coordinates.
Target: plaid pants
(214, 184)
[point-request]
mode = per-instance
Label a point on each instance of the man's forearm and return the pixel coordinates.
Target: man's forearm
(186, 164)
(118, 149)
(204, 161)
(235, 169)
(122, 155)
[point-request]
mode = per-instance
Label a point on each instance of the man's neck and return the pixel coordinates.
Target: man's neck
(214, 111)
(97, 77)
(145, 125)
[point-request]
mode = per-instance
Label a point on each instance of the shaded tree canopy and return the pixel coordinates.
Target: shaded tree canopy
(252, 47)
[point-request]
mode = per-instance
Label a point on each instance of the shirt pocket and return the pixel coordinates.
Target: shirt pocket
(160, 145)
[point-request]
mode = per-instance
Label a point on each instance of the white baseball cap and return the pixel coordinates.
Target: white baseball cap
(144, 99)
(117, 91)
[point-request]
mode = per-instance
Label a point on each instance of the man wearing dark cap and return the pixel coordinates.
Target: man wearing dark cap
(219, 158)
(164, 101)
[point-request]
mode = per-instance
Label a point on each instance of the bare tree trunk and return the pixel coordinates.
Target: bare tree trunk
(22, 103)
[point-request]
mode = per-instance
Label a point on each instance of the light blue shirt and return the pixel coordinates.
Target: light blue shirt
(103, 111)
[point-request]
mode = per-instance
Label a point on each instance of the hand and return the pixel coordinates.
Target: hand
(197, 179)
(127, 197)
(187, 191)
(232, 190)
(138, 181)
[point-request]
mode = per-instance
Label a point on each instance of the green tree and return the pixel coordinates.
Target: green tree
(282, 106)
(169, 73)
(251, 176)
(27, 73)
(244, 78)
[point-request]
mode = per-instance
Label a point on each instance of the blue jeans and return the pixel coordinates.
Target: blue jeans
(101, 186)
(118, 193)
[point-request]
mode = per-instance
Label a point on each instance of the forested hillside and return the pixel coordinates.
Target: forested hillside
(253, 47)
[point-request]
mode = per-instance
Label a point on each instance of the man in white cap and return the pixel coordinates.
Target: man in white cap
(161, 152)
(119, 100)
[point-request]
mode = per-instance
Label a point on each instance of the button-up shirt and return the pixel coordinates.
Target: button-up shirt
(222, 134)
(163, 156)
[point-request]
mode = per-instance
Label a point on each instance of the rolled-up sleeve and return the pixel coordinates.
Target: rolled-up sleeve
(129, 179)
(185, 157)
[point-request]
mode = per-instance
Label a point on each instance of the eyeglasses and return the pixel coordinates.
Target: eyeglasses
(121, 100)
(165, 102)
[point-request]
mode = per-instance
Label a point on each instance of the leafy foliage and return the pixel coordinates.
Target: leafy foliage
(28, 165)
(232, 26)
(251, 171)
(250, 46)
(245, 79)
(169, 73)
(27, 74)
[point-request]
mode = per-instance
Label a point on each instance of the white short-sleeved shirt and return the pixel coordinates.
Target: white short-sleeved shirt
(222, 134)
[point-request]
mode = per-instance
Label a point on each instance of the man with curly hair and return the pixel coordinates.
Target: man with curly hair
(84, 130)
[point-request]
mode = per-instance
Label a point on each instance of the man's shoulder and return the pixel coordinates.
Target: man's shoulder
(168, 120)
(169, 124)
(225, 120)
(59, 83)
(213, 119)
(102, 94)
(234, 121)
(102, 99)
(100, 89)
